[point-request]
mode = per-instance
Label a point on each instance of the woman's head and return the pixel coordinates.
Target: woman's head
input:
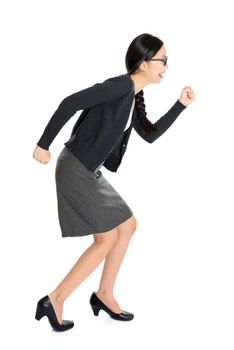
(140, 53)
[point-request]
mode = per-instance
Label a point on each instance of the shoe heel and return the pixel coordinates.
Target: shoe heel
(95, 309)
(39, 313)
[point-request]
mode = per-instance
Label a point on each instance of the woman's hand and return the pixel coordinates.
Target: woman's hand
(187, 96)
(41, 155)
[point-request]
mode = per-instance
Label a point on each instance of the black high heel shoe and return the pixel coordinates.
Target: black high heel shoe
(45, 308)
(97, 305)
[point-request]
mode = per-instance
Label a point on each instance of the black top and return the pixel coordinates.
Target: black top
(98, 134)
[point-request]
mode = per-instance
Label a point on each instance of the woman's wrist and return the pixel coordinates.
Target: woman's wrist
(182, 103)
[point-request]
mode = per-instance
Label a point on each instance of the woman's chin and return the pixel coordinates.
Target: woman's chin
(157, 80)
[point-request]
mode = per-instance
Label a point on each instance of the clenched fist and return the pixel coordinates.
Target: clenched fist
(41, 155)
(187, 96)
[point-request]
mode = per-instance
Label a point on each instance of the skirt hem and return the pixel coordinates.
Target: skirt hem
(103, 230)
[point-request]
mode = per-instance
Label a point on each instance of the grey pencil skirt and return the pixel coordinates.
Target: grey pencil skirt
(87, 202)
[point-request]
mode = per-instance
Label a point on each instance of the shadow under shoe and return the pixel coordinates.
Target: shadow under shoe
(45, 308)
(97, 305)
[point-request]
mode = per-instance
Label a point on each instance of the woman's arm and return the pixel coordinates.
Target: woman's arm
(162, 124)
(111, 89)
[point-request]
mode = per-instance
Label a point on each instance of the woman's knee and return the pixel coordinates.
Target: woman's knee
(108, 238)
(128, 227)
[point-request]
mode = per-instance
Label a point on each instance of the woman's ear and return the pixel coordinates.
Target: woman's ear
(143, 66)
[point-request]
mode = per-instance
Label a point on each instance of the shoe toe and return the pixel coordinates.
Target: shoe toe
(127, 315)
(68, 324)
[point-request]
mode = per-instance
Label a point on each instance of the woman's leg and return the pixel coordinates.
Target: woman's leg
(88, 261)
(112, 264)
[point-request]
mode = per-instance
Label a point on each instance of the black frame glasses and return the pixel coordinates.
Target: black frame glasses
(164, 60)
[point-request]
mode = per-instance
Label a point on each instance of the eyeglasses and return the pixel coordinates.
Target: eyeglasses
(164, 60)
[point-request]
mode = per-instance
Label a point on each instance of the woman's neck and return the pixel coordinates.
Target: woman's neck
(139, 81)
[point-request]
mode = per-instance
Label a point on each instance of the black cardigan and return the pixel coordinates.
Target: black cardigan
(98, 135)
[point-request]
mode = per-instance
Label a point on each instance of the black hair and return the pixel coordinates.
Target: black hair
(143, 47)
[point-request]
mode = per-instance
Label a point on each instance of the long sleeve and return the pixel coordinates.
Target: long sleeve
(162, 124)
(111, 89)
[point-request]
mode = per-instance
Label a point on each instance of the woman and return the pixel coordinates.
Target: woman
(87, 203)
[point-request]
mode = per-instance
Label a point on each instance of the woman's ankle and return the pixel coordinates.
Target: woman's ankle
(105, 294)
(57, 298)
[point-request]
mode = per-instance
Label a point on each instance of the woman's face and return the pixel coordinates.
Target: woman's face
(155, 69)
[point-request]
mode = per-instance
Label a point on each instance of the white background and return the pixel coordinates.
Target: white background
(177, 276)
